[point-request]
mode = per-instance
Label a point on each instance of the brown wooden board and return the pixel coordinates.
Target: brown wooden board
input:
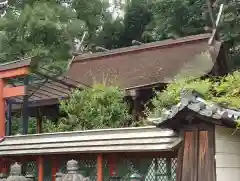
(180, 162)
(189, 157)
(203, 161)
(206, 167)
(211, 154)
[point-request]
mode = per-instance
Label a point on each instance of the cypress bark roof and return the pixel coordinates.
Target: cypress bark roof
(145, 64)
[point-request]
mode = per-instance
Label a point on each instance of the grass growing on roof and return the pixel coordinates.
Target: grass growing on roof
(223, 90)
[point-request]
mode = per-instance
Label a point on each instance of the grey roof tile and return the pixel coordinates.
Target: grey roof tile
(192, 101)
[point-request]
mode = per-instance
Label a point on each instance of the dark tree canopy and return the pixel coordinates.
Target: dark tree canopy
(51, 27)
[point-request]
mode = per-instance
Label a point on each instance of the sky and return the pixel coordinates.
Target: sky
(115, 9)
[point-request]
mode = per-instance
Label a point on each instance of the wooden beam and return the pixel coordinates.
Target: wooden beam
(25, 115)
(179, 162)
(39, 121)
(2, 110)
(99, 167)
(206, 166)
(14, 91)
(216, 24)
(14, 72)
(9, 118)
(189, 167)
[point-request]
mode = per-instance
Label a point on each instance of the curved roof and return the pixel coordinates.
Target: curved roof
(106, 140)
(145, 64)
(193, 105)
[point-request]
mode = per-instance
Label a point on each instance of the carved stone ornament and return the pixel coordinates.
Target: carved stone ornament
(135, 177)
(16, 173)
(59, 176)
(114, 177)
(73, 172)
(29, 176)
(3, 176)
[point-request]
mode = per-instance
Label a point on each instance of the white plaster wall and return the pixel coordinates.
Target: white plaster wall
(227, 154)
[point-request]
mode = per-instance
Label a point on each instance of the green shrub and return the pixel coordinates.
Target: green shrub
(97, 107)
(224, 90)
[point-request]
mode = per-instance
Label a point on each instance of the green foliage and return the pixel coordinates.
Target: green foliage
(111, 34)
(91, 12)
(137, 16)
(147, 21)
(96, 107)
(47, 28)
(225, 92)
(92, 108)
(48, 126)
(44, 29)
(238, 125)
(230, 29)
(17, 126)
(228, 90)
(176, 18)
(119, 32)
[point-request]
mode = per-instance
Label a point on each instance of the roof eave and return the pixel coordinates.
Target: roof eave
(191, 102)
(142, 139)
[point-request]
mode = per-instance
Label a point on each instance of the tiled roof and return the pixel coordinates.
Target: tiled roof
(192, 102)
(138, 139)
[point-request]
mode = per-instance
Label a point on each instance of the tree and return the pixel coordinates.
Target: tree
(223, 90)
(142, 20)
(230, 29)
(44, 29)
(179, 18)
(110, 35)
(97, 107)
(137, 17)
(122, 30)
(17, 126)
(176, 18)
(47, 28)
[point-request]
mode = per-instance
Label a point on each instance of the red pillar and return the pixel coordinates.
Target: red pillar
(54, 168)
(40, 168)
(99, 167)
(2, 111)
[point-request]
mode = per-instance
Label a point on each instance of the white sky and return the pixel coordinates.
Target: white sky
(115, 9)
